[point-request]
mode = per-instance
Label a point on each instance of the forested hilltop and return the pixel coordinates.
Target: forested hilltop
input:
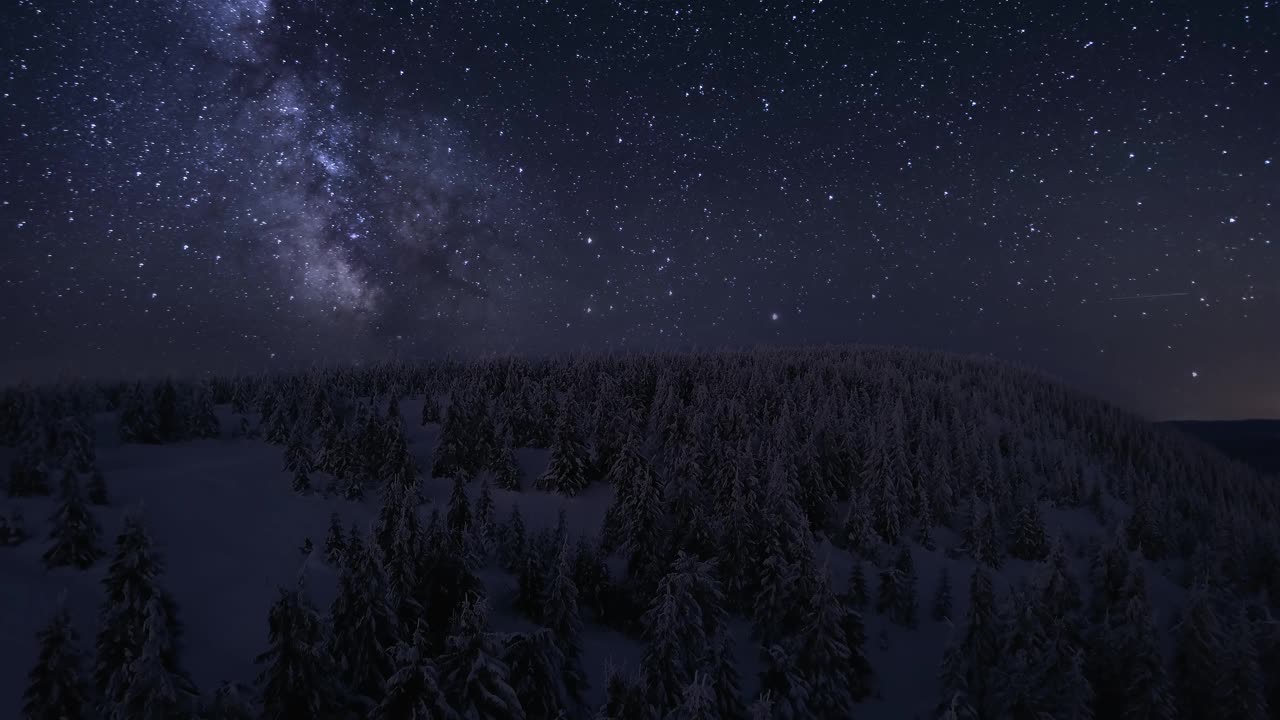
(789, 533)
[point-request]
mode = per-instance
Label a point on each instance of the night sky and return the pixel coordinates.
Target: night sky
(1088, 188)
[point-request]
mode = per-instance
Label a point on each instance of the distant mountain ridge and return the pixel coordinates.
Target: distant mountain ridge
(1254, 442)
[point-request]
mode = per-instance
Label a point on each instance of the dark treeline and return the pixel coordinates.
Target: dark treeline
(729, 471)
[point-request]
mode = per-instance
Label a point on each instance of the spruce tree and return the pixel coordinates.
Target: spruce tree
(860, 675)
(856, 595)
(413, 691)
(75, 534)
(1030, 540)
(1145, 692)
(722, 673)
(942, 596)
(859, 530)
(296, 678)
(954, 702)
(591, 576)
(482, 520)
(505, 466)
(17, 527)
(774, 609)
(97, 488)
(697, 702)
(474, 675)
(560, 614)
(981, 642)
(514, 541)
(154, 690)
(132, 582)
(786, 689)
(567, 471)
(334, 542)
(229, 702)
(56, 688)
(364, 625)
(537, 668)
(459, 518)
(822, 655)
(455, 454)
(1243, 689)
(633, 522)
(679, 624)
(624, 697)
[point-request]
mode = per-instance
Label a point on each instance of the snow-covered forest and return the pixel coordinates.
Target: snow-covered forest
(794, 533)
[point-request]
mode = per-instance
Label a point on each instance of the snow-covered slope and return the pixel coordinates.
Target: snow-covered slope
(229, 526)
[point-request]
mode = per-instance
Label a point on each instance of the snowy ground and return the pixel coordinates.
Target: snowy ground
(223, 515)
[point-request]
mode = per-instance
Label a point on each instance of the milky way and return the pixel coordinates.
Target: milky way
(247, 184)
(371, 212)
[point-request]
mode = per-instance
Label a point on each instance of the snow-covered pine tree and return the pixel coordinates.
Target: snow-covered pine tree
(590, 575)
(980, 646)
(721, 671)
(1243, 689)
(458, 520)
(738, 529)
(1017, 683)
(56, 687)
(432, 410)
(296, 681)
(230, 701)
(364, 626)
(774, 609)
(896, 597)
(28, 473)
(942, 596)
(954, 702)
(137, 417)
(536, 665)
(560, 614)
(624, 697)
(298, 453)
(445, 583)
(75, 533)
(203, 422)
(633, 520)
(856, 594)
(474, 676)
(822, 655)
(455, 454)
(675, 644)
(413, 691)
(990, 550)
(567, 471)
(482, 523)
(335, 543)
(1058, 586)
(859, 673)
(1030, 540)
(154, 690)
(399, 539)
(905, 610)
(505, 466)
(859, 530)
(97, 488)
(131, 583)
(1145, 692)
(513, 541)
(697, 701)
(784, 686)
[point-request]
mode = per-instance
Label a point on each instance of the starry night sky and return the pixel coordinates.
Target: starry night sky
(1089, 188)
